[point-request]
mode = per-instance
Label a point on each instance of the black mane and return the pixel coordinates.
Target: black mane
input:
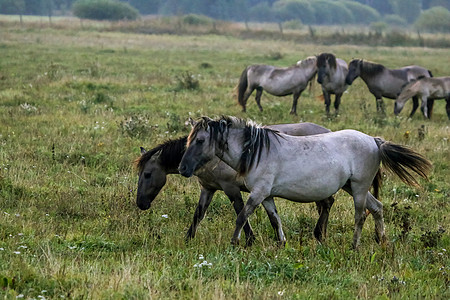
(371, 68)
(256, 138)
(170, 155)
(324, 57)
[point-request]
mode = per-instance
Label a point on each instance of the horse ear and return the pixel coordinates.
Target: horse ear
(143, 151)
(192, 122)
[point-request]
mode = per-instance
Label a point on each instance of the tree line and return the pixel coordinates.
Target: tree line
(398, 12)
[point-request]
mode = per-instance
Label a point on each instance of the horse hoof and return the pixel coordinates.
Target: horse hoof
(249, 241)
(235, 242)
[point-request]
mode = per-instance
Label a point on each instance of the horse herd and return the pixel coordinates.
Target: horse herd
(334, 75)
(301, 162)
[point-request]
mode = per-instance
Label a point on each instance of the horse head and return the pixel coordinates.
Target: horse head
(325, 62)
(152, 178)
(354, 70)
(200, 146)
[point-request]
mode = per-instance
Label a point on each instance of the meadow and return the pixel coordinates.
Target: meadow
(76, 105)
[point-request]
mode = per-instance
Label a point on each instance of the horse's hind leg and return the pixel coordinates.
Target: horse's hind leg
(415, 101)
(376, 209)
(274, 218)
(323, 208)
(259, 91)
(359, 199)
(203, 203)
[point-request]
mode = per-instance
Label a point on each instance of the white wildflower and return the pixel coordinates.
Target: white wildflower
(165, 216)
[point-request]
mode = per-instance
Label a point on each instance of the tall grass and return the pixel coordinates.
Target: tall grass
(76, 105)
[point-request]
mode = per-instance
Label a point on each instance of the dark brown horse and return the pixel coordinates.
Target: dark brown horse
(384, 82)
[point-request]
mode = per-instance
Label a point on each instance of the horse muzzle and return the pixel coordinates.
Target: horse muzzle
(185, 170)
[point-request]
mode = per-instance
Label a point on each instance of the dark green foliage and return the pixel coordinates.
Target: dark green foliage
(104, 10)
(294, 10)
(363, 14)
(436, 19)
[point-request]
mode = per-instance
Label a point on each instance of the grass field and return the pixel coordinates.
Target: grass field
(76, 105)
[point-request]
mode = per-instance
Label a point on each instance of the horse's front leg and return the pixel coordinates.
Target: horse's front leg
(258, 98)
(203, 203)
(380, 106)
(337, 102)
(295, 96)
(275, 220)
(447, 106)
(249, 208)
(323, 208)
(234, 194)
(327, 100)
(424, 106)
(415, 101)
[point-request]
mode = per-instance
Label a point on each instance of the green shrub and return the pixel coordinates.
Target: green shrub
(111, 10)
(436, 19)
(193, 19)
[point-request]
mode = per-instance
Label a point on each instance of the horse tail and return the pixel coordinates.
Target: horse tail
(398, 159)
(429, 73)
(242, 87)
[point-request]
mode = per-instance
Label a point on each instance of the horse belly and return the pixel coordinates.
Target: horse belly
(311, 184)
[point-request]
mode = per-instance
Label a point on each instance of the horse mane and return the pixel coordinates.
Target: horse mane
(371, 68)
(170, 155)
(324, 57)
(256, 138)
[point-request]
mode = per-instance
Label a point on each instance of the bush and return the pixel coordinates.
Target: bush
(111, 10)
(193, 19)
(436, 19)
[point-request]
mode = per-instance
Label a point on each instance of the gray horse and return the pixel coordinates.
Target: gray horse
(384, 82)
(331, 73)
(428, 89)
(276, 81)
(300, 169)
(154, 166)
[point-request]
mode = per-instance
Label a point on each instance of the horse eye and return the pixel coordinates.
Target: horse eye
(147, 175)
(200, 141)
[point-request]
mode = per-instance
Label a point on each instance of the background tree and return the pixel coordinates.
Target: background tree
(13, 7)
(288, 10)
(435, 19)
(407, 9)
(362, 14)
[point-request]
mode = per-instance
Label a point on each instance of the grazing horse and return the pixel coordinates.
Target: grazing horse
(154, 166)
(276, 81)
(384, 82)
(331, 73)
(300, 169)
(429, 89)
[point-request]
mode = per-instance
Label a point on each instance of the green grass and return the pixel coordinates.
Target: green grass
(76, 105)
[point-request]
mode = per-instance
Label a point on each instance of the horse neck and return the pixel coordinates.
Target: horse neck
(171, 155)
(233, 148)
